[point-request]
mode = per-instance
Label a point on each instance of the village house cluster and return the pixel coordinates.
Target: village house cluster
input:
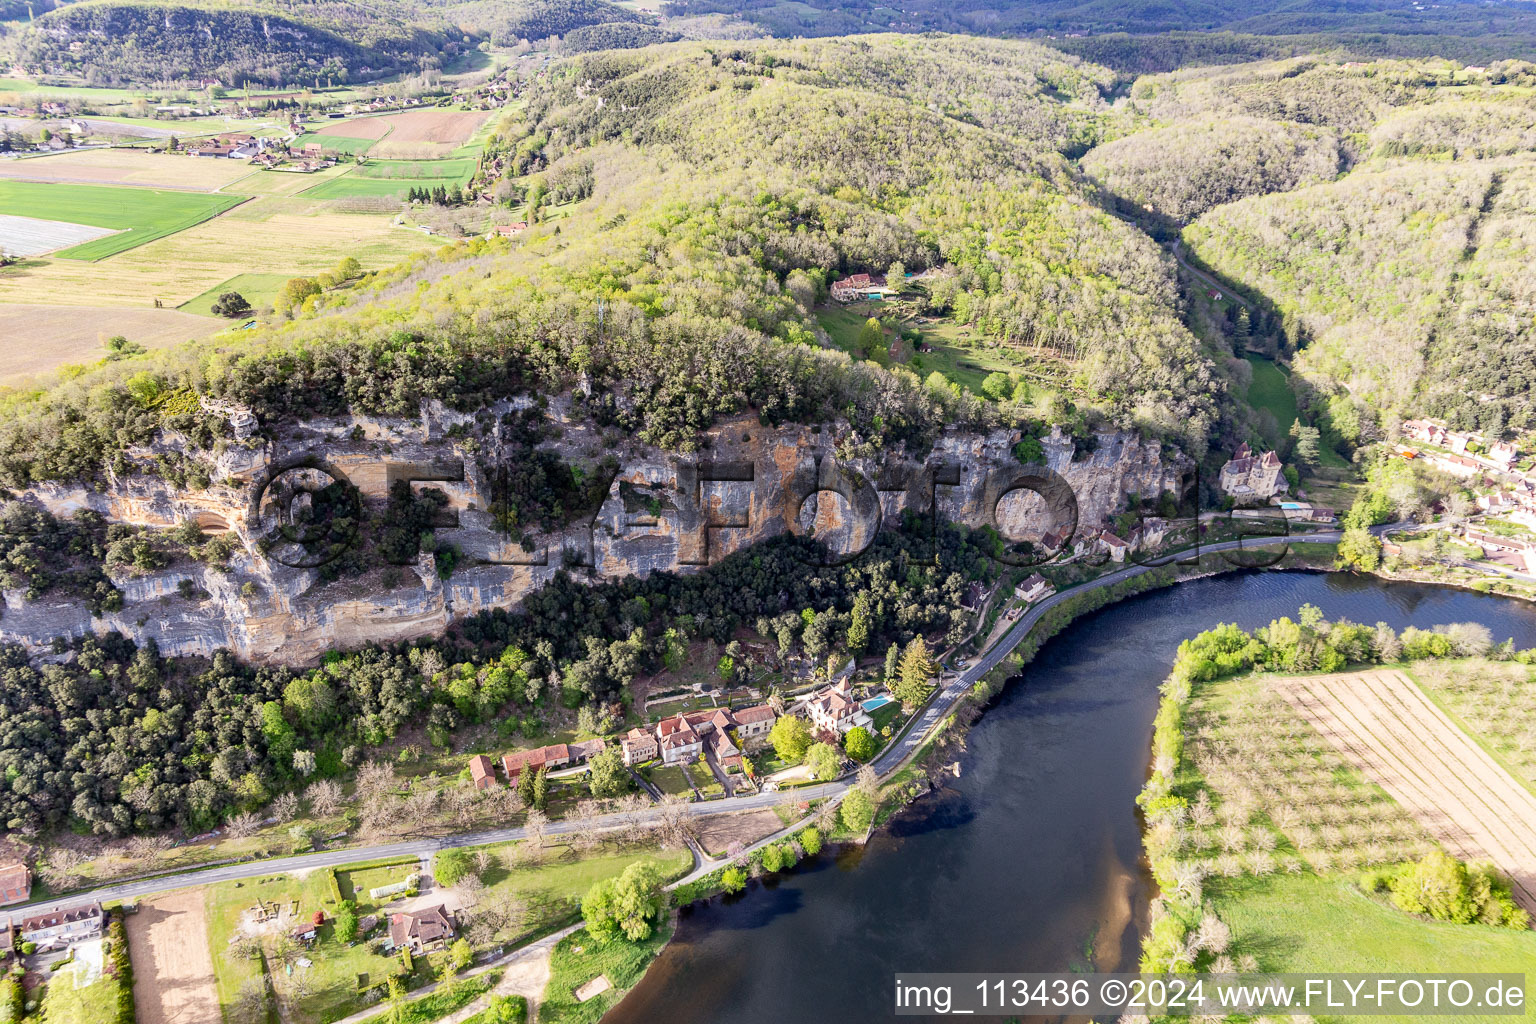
(482, 770)
(1469, 452)
(681, 739)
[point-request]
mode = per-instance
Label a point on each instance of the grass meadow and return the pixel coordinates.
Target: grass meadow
(258, 289)
(139, 215)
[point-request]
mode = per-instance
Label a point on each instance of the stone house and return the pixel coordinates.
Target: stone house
(482, 772)
(1033, 589)
(1248, 476)
(835, 711)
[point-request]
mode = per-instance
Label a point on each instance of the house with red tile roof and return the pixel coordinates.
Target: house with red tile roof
(15, 882)
(556, 755)
(482, 772)
(639, 745)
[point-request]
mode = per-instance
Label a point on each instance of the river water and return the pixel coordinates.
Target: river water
(1031, 859)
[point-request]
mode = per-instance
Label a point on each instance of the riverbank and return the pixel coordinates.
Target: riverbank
(1030, 857)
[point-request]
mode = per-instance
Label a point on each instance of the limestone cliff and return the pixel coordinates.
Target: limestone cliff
(662, 512)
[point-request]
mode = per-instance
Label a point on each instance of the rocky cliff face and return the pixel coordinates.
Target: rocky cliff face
(662, 512)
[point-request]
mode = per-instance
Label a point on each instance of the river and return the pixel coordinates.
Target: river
(1030, 860)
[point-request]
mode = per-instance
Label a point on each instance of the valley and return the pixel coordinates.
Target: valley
(562, 510)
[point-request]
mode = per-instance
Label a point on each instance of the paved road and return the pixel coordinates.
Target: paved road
(896, 755)
(1208, 280)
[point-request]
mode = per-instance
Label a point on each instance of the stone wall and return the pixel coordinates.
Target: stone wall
(663, 511)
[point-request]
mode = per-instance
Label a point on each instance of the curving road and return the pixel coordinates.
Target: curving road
(944, 700)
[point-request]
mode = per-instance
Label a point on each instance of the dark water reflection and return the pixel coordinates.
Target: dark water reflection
(1030, 861)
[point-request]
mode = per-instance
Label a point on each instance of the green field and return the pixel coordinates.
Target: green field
(1312, 923)
(1271, 390)
(413, 170)
(21, 85)
(340, 143)
(259, 290)
(350, 185)
(140, 214)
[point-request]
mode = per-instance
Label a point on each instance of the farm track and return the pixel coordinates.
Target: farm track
(1400, 740)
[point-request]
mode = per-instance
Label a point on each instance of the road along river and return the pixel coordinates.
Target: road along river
(1030, 860)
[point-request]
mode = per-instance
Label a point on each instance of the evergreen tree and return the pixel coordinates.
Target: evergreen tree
(858, 628)
(541, 788)
(916, 668)
(892, 660)
(1305, 450)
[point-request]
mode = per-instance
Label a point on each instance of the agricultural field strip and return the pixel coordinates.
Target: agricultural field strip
(1462, 796)
(1398, 720)
(109, 182)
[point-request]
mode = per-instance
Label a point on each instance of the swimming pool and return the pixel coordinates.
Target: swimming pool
(875, 702)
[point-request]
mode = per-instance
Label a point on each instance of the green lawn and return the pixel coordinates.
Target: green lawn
(259, 290)
(886, 714)
(350, 185)
(1312, 923)
(670, 779)
(355, 883)
(333, 981)
(438, 1004)
(96, 1003)
(1270, 389)
(415, 170)
(577, 959)
(553, 886)
(139, 214)
(102, 95)
(954, 353)
(843, 324)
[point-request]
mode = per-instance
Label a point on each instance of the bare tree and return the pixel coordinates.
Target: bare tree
(285, 807)
(61, 869)
(484, 861)
(868, 781)
(462, 801)
(421, 807)
(534, 827)
(250, 1003)
(826, 816)
(677, 827)
(375, 779)
(324, 797)
(470, 890)
(243, 824)
(585, 818)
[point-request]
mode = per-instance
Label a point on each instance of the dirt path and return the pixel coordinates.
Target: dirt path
(172, 968)
(1400, 740)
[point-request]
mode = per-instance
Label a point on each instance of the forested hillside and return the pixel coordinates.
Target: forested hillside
(285, 41)
(1188, 167)
(1121, 34)
(1377, 209)
(724, 198)
(137, 41)
(507, 22)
